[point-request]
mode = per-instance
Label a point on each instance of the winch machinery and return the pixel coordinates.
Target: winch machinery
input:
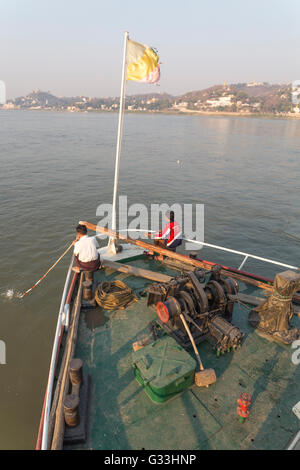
(204, 299)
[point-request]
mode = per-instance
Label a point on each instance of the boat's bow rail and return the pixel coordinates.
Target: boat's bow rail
(246, 256)
(62, 323)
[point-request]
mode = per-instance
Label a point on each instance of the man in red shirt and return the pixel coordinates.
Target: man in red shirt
(170, 235)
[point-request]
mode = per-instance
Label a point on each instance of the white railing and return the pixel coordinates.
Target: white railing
(53, 358)
(246, 255)
(295, 440)
(222, 248)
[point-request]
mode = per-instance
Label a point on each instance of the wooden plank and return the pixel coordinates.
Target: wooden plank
(177, 265)
(135, 271)
(158, 277)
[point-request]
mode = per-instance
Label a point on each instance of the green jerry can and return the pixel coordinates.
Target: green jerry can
(164, 369)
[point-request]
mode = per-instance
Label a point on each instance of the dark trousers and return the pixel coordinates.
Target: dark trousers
(173, 245)
(163, 244)
(90, 266)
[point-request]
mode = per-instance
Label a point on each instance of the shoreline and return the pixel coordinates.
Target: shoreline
(169, 112)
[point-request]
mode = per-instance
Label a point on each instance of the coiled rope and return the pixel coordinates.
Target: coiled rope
(114, 295)
(283, 298)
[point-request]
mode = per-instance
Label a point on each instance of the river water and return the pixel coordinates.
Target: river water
(57, 168)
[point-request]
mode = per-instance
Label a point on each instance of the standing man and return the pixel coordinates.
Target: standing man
(85, 251)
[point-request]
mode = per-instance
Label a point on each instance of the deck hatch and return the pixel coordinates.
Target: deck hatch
(164, 369)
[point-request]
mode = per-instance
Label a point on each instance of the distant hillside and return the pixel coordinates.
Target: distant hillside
(240, 97)
(263, 97)
(250, 89)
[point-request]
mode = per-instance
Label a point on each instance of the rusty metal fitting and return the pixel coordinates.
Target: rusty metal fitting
(89, 276)
(71, 404)
(76, 371)
(87, 291)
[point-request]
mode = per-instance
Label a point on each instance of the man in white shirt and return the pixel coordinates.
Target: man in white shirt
(85, 251)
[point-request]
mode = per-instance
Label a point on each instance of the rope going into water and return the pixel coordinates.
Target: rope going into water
(114, 295)
(50, 269)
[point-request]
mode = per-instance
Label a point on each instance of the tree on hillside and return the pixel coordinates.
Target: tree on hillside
(241, 96)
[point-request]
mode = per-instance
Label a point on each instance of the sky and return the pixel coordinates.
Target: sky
(74, 48)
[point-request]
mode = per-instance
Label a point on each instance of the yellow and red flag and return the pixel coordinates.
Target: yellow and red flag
(142, 63)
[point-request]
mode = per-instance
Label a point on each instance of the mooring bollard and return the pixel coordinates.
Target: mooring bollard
(71, 413)
(76, 371)
(87, 293)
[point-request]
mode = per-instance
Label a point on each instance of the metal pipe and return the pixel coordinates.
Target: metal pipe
(66, 316)
(119, 140)
(243, 262)
(291, 445)
(222, 248)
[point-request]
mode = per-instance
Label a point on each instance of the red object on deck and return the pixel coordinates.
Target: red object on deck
(71, 290)
(244, 404)
(162, 312)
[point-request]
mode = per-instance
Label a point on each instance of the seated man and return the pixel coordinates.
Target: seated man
(85, 251)
(169, 237)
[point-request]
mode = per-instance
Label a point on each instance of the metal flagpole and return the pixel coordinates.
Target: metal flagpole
(111, 244)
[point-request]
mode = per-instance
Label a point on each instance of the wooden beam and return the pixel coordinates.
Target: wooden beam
(177, 256)
(135, 271)
(158, 277)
